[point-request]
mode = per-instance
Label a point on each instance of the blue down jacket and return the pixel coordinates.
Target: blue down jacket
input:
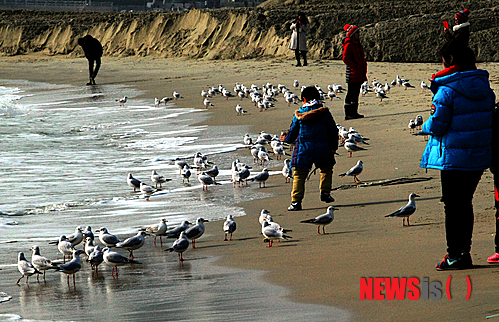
(460, 123)
(316, 135)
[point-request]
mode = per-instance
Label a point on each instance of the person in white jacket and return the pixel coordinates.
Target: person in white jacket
(299, 39)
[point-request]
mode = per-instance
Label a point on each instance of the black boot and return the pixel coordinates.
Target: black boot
(297, 56)
(304, 56)
(351, 111)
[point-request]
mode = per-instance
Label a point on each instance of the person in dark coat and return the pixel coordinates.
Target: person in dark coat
(316, 135)
(461, 31)
(93, 52)
(356, 70)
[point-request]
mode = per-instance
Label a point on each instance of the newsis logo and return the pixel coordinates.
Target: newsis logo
(401, 288)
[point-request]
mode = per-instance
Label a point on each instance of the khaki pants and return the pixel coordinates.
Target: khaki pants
(299, 178)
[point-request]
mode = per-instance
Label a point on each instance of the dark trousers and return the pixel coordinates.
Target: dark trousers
(353, 93)
(91, 70)
(496, 194)
(304, 56)
(458, 188)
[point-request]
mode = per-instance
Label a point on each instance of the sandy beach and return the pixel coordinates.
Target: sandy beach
(361, 242)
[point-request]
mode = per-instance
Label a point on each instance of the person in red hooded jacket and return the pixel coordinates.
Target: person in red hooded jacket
(356, 70)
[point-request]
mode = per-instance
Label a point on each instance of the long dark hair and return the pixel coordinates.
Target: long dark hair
(455, 52)
(302, 17)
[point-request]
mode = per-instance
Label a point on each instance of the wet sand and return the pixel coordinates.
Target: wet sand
(316, 269)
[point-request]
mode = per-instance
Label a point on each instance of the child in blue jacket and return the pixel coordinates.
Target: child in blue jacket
(316, 135)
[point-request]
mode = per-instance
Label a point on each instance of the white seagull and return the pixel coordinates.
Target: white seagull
(229, 227)
(25, 268)
(406, 210)
(270, 233)
(207, 103)
(132, 182)
(158, 230)
(41, 263)
(180, 245)
(133, 243)
(196, 231)
(122, 100)
(322, 220)
(73, 266)
(261, 177)
(158, 179)
(286, 170)
(106, 238)
(354, 171)
(115, 259)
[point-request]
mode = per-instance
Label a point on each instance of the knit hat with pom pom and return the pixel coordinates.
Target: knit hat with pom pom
(462, 16)
(350, 29)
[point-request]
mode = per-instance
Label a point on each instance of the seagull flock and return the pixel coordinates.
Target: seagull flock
(263, 98)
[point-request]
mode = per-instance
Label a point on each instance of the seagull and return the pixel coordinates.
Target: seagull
(332, 95)
(296, 83)
(89, 246)
(115, 259)
(264, 215)
(407, 85)
(133, 183)
(133, 243)
(95, 259)
(122, 100)
(147, 190)
(351, 147)
(279, 151)
(354, 171)
(229, 227)
(180, 245)
(158, 230)
(263, 156)
(77, 237)
(206, 180)
(186, 173)
(158, 179)
(175, 232)
(240, 110)
(204, 94)
(424, 86)
(272, 234)
(247, 139)
(41, 263)
(286, 170)
(387, 88)
(196, 231)
(406, 210)
(213, 172)
(165, 100)
(181, 164)
(72, 266)
(207, 103)
(411, 126)
(276, 225)
(87, 232)
(381, 94)
(26, 268)
(419, 121)
(156, 102)
(106, 238)
(322, 220)
(176, 95)
(65, 247)
(261, 177)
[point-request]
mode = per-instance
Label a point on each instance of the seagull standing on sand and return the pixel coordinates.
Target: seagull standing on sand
(158, 179)
(419, 121)
(176, 95)
(133, 183)
(25, 268)
(133, 243)
(158, 230)
(196, 231)
(354, 171)
(207, 103)
(206, 180)
(411, 126)
(89, 246)
(240, 110)
(229, 227)
(41, 263)
(73, 266)
(351, 147)
(77, 237)
(115, 259)
(272, 234)
(407, 85)
(262, 177)
(406, 210)
(106, 238)
(424, 86)
(95, 259)
(264, 215)
(213, 172)
(322, 220)
(179, 246)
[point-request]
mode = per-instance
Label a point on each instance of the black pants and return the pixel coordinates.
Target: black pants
(496, 195)
(353, 93)
(304, 56)
(458, 188)
(91, 70)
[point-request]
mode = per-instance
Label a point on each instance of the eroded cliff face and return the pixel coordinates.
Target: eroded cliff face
(399, 36)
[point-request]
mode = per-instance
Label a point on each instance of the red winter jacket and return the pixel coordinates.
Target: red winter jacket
(354, 58)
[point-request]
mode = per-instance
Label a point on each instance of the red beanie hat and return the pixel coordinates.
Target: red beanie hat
(350, 29)
(462, 16)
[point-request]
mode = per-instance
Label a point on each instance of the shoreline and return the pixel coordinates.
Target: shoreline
(361, 243)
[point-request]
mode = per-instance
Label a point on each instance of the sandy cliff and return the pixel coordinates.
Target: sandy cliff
(391, 31)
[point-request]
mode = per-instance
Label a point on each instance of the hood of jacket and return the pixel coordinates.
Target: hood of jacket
(311, 110)
(473, 84)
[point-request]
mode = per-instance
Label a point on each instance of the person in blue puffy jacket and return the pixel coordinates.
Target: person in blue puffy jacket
(314, 130)
(460, 125)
